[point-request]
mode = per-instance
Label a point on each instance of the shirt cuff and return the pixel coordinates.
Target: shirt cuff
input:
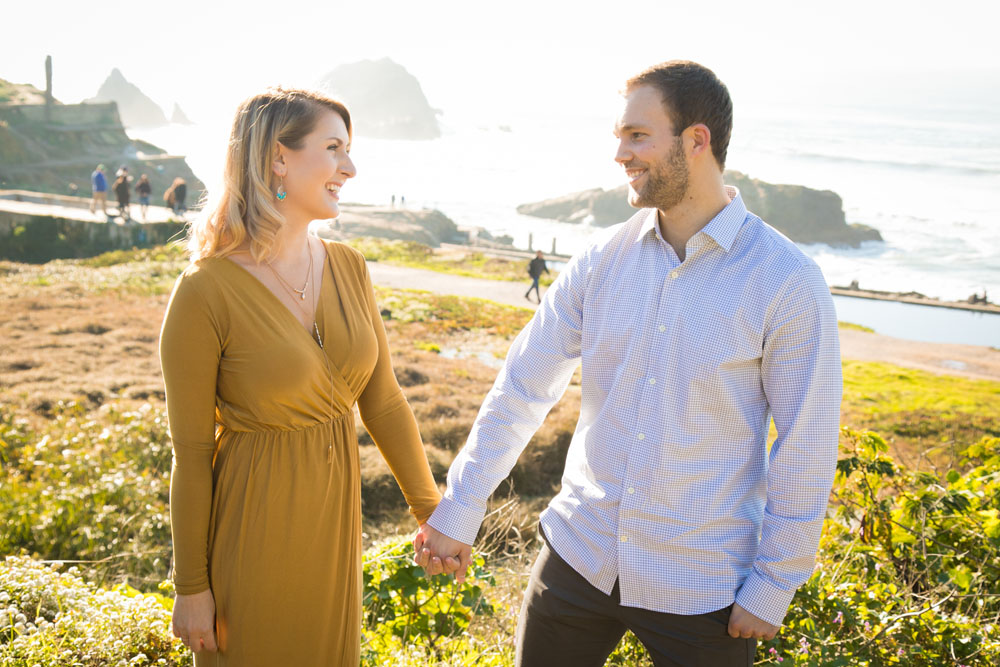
(763, 599)
(456, 521)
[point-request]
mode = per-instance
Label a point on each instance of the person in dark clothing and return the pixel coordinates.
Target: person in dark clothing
(176, 194)
(535, 269)
(121, 189)
(143, 189)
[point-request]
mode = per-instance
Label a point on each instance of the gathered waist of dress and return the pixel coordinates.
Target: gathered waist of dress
(241, 429)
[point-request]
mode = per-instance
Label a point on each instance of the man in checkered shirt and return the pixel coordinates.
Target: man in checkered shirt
(696, 324)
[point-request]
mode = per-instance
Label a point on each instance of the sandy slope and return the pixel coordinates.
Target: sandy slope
(965, 360)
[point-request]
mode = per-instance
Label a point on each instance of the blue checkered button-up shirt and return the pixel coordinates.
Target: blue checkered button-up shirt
(669, 485)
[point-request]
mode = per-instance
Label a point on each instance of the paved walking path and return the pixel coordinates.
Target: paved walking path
(970, 361)
(76, 208)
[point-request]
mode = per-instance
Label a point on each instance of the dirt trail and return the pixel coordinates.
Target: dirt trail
(970, 361)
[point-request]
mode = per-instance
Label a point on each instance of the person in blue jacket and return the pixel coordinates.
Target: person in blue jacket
(99, 186)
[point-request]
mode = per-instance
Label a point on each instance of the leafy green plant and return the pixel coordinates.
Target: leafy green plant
(908, 566)
(404, 608)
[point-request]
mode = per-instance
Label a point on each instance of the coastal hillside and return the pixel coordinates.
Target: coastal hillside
(385, 100)
(20, 93)
(54, 148)
(802, 214)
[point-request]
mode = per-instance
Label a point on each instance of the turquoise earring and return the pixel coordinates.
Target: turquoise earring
(281, 194)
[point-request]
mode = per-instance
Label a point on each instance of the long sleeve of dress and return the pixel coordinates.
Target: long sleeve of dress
(190, 349)
(391, 423)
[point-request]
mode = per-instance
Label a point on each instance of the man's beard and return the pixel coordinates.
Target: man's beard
(666, 182)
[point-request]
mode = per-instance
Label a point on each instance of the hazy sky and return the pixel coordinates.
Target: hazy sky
(489, 58)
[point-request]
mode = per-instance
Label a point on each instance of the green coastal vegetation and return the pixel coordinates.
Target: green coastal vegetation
(908, 571)
(472, 263)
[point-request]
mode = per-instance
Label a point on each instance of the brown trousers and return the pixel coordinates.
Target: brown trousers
(564, 620)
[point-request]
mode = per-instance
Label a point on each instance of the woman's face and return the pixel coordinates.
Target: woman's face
(314, 173)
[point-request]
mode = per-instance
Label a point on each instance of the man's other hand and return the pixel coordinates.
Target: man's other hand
(439, 554)
(744, 624)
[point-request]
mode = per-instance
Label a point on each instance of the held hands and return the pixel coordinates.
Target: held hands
(193, 621)
(744, 624)
(439, 554)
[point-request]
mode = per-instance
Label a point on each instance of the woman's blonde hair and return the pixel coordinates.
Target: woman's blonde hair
(244, 207)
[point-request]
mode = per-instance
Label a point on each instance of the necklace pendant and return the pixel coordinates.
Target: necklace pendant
(319, 339)
(302, 296)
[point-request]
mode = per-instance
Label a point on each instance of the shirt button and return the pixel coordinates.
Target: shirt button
(674, 274)
(624, 538)
(652, 380)
(631, 490)
(642, 436)
(662, 328)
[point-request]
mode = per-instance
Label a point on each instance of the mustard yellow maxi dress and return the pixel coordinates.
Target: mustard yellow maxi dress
(265, 491)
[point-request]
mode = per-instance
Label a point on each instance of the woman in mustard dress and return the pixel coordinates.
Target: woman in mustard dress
(270, 338)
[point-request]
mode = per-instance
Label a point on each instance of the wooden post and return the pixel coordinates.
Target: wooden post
(48, 89)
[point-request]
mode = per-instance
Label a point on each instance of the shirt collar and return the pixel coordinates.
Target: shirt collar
(722, 229)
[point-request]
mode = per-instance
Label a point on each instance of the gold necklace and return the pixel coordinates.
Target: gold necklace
(289, 288)
(300, 292)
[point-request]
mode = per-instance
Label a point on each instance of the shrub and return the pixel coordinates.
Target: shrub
(89, 491)
(54, 619)
(909, 566)
(405, 611)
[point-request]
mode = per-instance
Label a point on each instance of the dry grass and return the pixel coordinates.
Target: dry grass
(84, 333)
(87, 332)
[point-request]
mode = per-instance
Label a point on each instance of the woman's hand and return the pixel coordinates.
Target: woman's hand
(194, 621)
(439, 554)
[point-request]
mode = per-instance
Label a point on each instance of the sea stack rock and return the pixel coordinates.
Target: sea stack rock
(802, 214)
(135, 108)
(178, 117)
(385, 100)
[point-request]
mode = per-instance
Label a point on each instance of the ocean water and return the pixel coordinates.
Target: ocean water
(927, 177)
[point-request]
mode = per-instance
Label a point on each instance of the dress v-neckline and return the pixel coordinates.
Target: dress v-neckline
(281, 304)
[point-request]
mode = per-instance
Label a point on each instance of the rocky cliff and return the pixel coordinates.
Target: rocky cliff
(428, 226)
(385, 100)
(135, 108)
(178, 117)
(55, 148)
(800, 213)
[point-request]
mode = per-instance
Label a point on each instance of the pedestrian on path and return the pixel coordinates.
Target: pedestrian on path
(121, 188)
(99, 188)
(143, 190)
(535, 269)
(175, 195)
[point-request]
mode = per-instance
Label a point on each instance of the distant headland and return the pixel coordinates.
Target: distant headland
(802, 214)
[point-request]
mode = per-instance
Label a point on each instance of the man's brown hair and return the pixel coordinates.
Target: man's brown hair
(692, 94)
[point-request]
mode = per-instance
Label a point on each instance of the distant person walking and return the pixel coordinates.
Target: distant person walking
(535, 270)
(143, 190)
(175, 195)
(121, 188)
(99, 188)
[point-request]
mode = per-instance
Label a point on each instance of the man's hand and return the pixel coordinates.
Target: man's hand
(744, 624)
(193, 621)
(439, 554)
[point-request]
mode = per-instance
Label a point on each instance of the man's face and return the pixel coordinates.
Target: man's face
(651, 152)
